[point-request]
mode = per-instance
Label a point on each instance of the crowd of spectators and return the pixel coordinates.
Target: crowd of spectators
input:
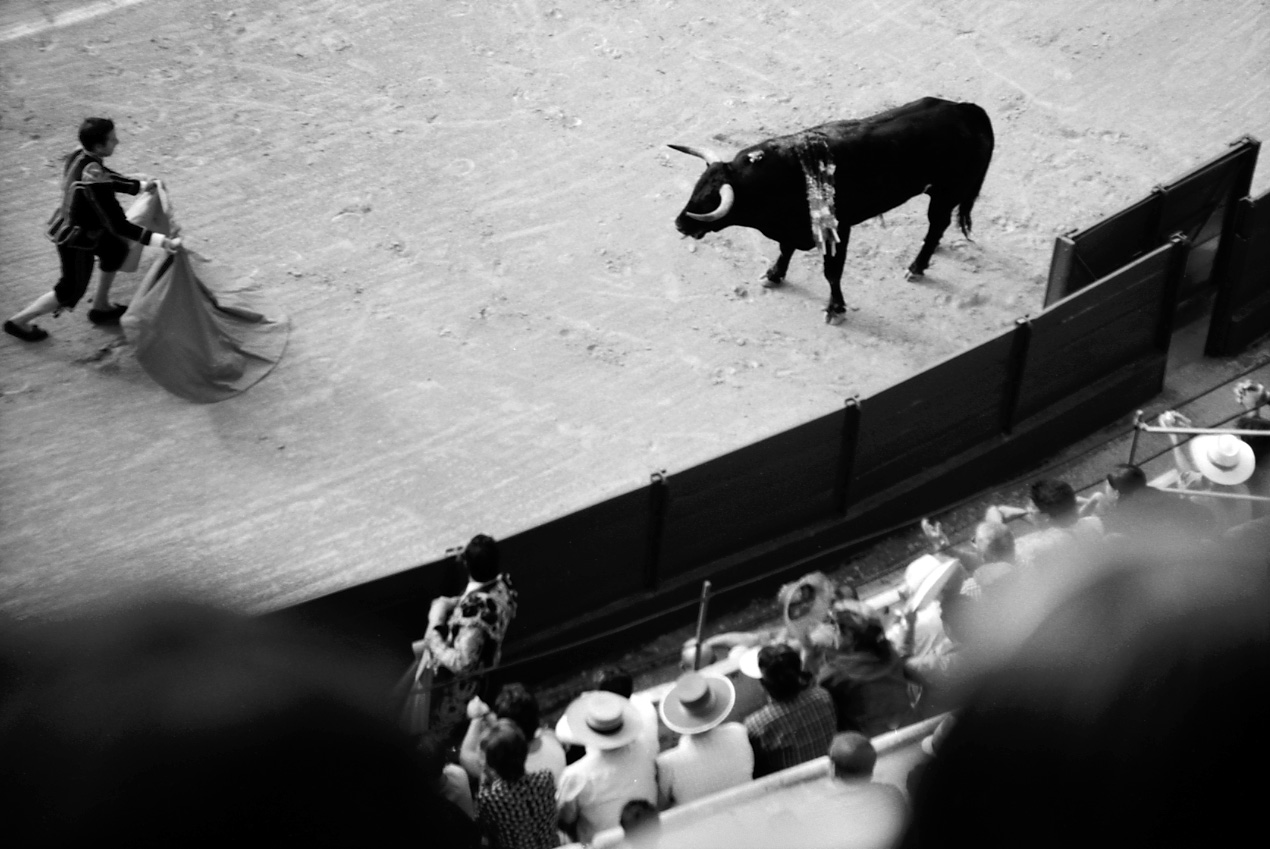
(280, 730)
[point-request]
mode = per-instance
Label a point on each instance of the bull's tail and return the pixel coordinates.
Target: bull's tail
(983, 141)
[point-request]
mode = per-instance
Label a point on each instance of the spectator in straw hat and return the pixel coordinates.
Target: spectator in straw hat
(615, 679)
(712, 755)
(1214, 462)
(798, 720)
(615, 769)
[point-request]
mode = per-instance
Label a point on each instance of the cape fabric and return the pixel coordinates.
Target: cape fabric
(193, 345)
(153, 211)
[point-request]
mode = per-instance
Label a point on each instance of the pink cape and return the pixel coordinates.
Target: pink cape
(193, 345)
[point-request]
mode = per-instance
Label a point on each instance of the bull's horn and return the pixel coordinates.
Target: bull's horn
(704, 153)
(727, 197)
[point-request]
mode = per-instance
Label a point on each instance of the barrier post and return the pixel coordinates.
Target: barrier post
(1014, 373)
(1230, 224)
(657, 497)
(1172, 286)
(846, 459)
(1137, 431)
(1162, 194)
(1058, 285)
(701, 624)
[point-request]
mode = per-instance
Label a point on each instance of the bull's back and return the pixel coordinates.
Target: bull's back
(885, 159)
(913, 123)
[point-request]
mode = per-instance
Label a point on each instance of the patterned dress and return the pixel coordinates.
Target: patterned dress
(465, 637)
(519, 814)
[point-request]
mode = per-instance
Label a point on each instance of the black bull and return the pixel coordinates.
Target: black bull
(930, 145)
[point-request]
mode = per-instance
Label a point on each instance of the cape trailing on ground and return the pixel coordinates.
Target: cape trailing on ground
(191, 343)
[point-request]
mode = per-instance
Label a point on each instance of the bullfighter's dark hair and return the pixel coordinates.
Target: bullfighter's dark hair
(94, 132)
(481, 558)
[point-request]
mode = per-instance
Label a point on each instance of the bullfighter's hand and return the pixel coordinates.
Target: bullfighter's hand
(477, 708)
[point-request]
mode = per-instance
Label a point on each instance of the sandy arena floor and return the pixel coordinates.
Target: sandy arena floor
(465, 208)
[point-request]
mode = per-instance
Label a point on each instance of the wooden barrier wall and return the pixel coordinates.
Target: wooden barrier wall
(1241, 309)
(801, 500)
(1200, 205)
(810, 496)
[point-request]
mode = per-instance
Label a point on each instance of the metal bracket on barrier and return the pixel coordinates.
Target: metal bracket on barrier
(1137, 429)
(657, 496)
(846, 459)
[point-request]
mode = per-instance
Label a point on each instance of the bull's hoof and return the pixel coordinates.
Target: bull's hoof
(912, 274)
(772, 282)
(835, 314)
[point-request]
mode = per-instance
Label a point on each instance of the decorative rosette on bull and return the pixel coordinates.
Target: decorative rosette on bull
(818, 169)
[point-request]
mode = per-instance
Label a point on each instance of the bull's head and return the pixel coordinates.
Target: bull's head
(712, 198)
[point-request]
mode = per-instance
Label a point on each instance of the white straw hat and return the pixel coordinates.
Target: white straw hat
(602, 720)
(1223, 458)
(697, 703)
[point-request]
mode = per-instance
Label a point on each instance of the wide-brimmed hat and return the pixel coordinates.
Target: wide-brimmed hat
(1223, 458)
(747, 661)
(926, 577)
(602, 720)
(697, 703)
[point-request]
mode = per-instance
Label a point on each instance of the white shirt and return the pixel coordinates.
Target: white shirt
(705, 763)
(595, 788)
(548, 756)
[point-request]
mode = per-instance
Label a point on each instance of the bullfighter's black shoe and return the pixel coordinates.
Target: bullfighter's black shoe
(32, 334)
(110, 316)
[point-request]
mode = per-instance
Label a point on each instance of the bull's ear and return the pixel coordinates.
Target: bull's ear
(704, 153)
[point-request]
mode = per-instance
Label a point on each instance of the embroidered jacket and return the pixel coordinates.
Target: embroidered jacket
(89, 207)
